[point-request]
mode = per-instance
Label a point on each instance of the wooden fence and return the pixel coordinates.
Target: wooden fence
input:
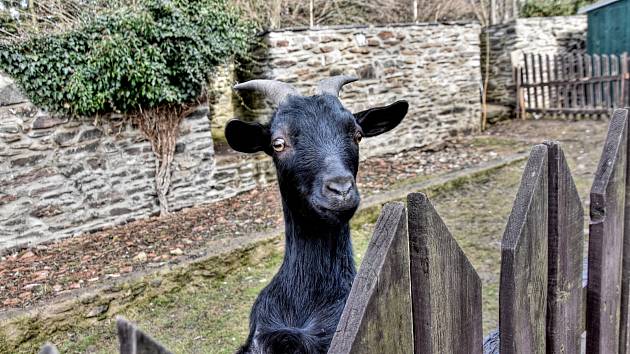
(572, 84)
(416, 292)
(545, 304)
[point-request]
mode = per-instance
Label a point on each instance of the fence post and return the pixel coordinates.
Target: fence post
(377, 315)
(624, 331)
(523, 287)
(566, 240)
(606, 241)
(445, 288)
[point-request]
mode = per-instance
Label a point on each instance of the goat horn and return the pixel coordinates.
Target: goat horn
(332, 85)
(275, 91)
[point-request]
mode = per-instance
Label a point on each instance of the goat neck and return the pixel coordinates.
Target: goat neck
(324, 249)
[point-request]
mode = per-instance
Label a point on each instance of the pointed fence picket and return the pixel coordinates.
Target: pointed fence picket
(416, 292)
(377, 316)
(523, 286)
(605, 248)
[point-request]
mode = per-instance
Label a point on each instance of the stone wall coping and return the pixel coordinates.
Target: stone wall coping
(358, 26)
(551, 18)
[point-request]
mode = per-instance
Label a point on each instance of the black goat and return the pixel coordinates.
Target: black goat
(314, 142)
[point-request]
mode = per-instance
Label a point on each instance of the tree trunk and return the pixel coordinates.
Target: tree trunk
(161, 126)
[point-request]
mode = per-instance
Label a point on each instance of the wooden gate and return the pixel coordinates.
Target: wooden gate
(572, 84)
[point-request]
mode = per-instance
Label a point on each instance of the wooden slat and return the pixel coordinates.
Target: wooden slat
(572, 79)
(625, 80)
(445, 288)
(565, 247)
(377, 315)
(523, 287)
(597, 72)
(581, 95)
(517, 86)
(134, 341)
(606, 86)
(550, 91)
(624, 328)
(607, 202)
(558, 72)
(532, 59)
(614, 71)
(566, 103)
(600, 79)
(542, 79)
(527, 81)
(523, 115)
(571, 110)
(589, 86)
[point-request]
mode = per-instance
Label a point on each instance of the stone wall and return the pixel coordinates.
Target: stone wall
(433, 66)
(60, 177)
(537, 35)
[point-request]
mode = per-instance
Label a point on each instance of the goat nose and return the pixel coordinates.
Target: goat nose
(339, 186)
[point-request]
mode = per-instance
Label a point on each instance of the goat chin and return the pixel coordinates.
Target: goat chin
(284, 340)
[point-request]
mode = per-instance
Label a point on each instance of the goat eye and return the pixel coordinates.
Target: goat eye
(278, 144)
(357, 137)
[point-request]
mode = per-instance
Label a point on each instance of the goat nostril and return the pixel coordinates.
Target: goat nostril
(341, 188)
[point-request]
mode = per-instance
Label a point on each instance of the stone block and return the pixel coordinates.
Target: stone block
(10, 94)
(45, 121)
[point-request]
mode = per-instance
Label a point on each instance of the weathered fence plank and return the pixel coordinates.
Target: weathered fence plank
(590, 93)
(445, 288)
(597, 72)
(529, 93)
(624, 328)
(606, 85)
(134, 341)
(565, 247)
(625, 82)
(606, 241)
(523, 287)
(377, 315)
(580, 85)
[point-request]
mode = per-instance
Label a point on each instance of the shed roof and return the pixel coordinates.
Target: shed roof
(596, 6)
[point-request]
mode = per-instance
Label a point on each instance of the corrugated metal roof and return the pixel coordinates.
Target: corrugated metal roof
(596, 6)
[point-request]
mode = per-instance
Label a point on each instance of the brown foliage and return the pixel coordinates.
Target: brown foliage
(291, 13)
(161, 127)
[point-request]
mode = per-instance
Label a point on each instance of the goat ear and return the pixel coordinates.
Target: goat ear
(247, 137)
(378, 120)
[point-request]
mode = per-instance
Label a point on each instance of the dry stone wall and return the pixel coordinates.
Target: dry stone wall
(433, 66)
(537, 35)
(60, 177)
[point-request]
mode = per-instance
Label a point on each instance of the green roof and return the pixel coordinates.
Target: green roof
(596, 6)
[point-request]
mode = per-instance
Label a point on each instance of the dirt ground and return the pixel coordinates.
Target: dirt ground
(212, 316)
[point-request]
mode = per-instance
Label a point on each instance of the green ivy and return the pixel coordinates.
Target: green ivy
(545, 8)
(142, 56)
